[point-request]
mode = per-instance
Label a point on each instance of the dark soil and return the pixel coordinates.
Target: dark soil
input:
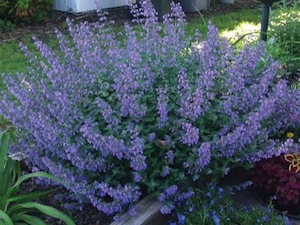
(89, 215)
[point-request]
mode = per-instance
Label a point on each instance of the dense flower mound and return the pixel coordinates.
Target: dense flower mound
(118, 116)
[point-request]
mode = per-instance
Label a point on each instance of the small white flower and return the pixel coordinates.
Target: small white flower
(17, 156)
(26, 84)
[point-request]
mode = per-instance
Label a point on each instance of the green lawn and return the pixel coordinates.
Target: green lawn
(227, 22)
(12, 60)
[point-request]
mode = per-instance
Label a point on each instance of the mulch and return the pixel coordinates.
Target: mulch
(89, 215)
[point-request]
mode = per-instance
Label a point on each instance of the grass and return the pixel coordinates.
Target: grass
(227, 22)
(12, 60)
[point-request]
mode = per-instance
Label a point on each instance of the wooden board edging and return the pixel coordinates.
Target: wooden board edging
(148, 213)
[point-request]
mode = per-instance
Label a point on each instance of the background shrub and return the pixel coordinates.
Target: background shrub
(6, 26)
(25, 11)
(149, 114)
(285, 34)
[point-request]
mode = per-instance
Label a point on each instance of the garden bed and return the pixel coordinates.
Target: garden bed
(111, 151)
(148, 208)
(87, 216)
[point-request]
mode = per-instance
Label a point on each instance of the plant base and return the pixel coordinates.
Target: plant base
(162, 7)
(227, 1)
(194, 5)
(292, 210)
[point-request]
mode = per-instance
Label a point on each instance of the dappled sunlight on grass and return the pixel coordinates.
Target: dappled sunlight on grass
(246, 32)
(282, 14)
(231, 24)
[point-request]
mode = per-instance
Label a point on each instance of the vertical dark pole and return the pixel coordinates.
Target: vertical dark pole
(264, 20)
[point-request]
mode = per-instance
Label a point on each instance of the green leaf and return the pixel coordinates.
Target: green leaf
(35, 174)
(5, 170)
(4, 217)
(4, 140)
(48, 210)
(1, 135)
(32, 220)
(30, 197)
(7, 176)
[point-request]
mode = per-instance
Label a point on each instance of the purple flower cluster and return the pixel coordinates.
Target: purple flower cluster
(122, 196)
(172, 197)
(162, 106)
(170, 157)
(191, 134)
(112, 118)
(204, 156)
(191, 103)
(170, 191)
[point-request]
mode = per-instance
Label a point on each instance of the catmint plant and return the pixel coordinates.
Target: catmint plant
(118, 117)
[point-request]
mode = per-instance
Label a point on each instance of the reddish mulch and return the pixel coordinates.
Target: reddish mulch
(89, 215)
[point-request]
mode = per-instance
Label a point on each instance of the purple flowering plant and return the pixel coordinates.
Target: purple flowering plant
(117, 117)
(213, 205)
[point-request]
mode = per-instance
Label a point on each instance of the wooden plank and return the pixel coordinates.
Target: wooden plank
(148, 213)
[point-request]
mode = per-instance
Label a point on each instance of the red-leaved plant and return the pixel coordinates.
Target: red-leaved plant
(279, 178)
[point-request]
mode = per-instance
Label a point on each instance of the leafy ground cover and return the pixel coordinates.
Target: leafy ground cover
(213, 205)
